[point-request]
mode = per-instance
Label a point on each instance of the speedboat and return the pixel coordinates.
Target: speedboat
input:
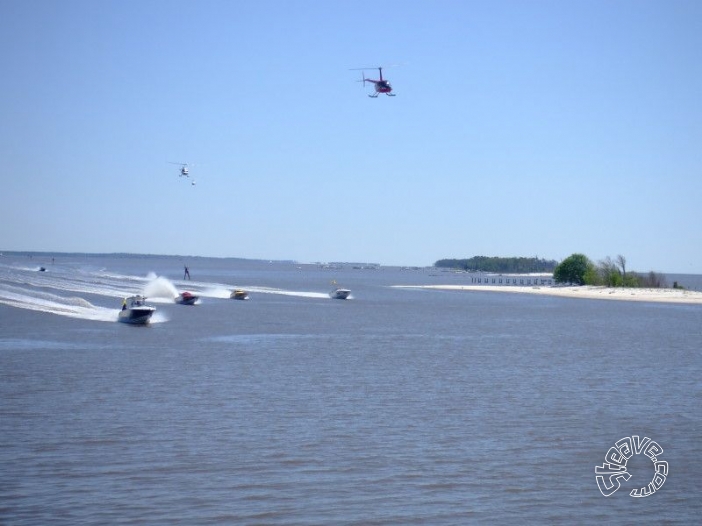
(135, 311)
(339, 294)
(239, 294)
(186, 298)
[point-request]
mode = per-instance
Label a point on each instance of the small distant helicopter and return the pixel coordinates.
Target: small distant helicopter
(381, 85)
(184, 172)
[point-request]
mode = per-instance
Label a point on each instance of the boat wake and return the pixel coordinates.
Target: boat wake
(51, 303)
(97, 294)
(302, 294)
(160, 290)
(221, 291)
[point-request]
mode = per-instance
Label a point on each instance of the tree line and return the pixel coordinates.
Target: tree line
(511, 265)
(578, 269)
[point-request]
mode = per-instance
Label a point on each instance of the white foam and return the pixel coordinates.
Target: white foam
(161, 288)
(50, 303)
(26, 288)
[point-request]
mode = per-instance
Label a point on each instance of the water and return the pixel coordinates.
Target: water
(398, 406)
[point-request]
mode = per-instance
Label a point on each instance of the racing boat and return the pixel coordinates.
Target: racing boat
(135, 311)
(186, 298)
(339, 294)
(239, 294)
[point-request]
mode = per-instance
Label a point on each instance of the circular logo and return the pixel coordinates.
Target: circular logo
(609, 474)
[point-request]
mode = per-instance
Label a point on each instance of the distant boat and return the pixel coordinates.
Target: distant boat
(339, 294)
(42, 269)
(186, 298)
(135, 311)
(239, 294)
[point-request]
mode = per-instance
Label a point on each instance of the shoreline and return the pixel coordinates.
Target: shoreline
(680, 296)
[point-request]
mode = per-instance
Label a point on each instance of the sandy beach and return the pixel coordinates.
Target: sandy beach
(587, 292)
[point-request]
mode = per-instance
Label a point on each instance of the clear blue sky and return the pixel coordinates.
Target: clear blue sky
(525, 128)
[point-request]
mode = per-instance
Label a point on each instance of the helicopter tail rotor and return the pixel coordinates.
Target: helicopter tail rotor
(363, 75)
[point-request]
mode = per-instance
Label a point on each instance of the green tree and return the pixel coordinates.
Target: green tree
(632, 280)
(499, 264)
(592, 276)
(611, 275)
(574, 269)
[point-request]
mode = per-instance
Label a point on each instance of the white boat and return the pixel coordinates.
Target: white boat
(135, 311)
(339, 294)
(239, 294)
(186, 298)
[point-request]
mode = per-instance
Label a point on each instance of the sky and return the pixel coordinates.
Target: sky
(530, 128)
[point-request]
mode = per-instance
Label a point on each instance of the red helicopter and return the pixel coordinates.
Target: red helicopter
(381, 85)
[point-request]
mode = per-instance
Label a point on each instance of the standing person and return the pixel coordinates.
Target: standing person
(186, 275)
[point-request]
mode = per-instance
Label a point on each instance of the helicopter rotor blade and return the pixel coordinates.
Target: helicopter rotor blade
(394, 65)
